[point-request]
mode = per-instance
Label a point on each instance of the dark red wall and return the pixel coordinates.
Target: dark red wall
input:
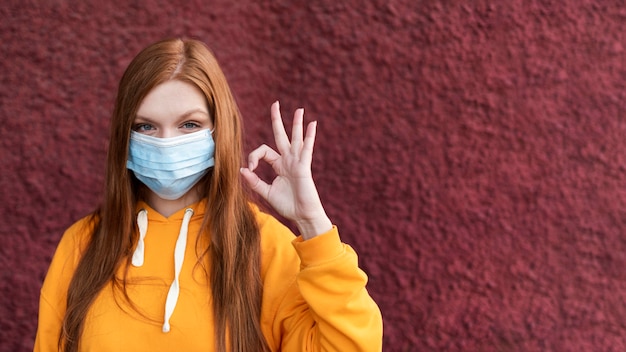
(473, 152)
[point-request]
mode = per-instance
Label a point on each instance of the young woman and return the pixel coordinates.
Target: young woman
(177, 258)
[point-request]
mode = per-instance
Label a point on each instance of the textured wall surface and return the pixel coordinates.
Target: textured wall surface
(472, 152)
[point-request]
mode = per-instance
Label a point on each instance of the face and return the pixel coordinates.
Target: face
(171, 109)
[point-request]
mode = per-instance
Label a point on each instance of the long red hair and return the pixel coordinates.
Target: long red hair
(233, 251)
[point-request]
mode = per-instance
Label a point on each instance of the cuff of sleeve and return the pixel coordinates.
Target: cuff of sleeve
(319, 249)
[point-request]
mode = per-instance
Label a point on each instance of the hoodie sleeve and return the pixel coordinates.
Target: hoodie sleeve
(327, 307)
(52, 300)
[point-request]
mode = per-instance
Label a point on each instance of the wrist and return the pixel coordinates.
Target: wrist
(314, 227)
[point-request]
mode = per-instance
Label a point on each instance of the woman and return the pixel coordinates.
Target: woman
(177, 258)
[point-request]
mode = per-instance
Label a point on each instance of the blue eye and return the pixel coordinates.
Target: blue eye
(143, 127)
(190, 125)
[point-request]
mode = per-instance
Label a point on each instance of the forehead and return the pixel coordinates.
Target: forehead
(172, 99)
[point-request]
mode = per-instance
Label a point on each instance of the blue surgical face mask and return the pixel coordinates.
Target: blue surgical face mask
(170, 167)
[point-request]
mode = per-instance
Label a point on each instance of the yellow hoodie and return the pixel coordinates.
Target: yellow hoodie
(314, 296)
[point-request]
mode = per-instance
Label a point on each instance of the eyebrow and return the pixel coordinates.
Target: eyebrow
(181, 117)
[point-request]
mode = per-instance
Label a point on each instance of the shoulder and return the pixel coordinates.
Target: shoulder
(66, 258)
(74, 241)
(79, 233)
(277, 250)
(270, 229)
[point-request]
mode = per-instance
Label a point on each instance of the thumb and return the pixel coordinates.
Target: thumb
(255, 183)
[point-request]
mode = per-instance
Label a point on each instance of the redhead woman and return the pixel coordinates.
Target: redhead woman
(177, 257)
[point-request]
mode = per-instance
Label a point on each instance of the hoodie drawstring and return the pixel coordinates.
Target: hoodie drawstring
(142, 223)
(179, 257)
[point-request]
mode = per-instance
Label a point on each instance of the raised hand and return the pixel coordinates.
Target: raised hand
(292, 193)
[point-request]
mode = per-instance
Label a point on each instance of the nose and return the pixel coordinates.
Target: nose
(167, 133)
